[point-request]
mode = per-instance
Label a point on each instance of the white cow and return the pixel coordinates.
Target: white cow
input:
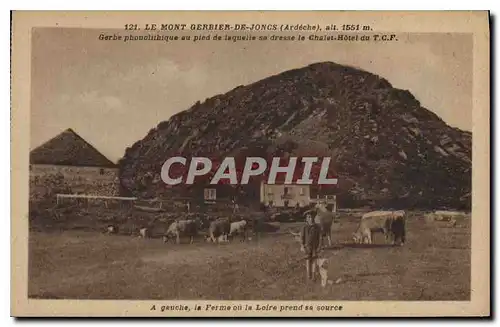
(238, 227)
(143, 233)
(112, 229)
(390, 223)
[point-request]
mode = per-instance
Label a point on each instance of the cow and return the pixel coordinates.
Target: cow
(325, 219)
(445, 216)
(143, 233)
(238, 227)
(111, 229)
(445, 213)
(398, 227)
(180, 228)
(390, 223)
(220, 227)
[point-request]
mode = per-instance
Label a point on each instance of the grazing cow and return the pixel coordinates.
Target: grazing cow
(238, 227)
(180, 228)
(390, 223)
(445, 213)
(325, 219)
(445, 216)
(143, 233)
(112, 229)
(220, 227)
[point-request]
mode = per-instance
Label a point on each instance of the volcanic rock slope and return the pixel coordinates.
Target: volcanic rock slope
(387, 150)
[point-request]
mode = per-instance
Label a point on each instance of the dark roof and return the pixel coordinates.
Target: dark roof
(69, 149)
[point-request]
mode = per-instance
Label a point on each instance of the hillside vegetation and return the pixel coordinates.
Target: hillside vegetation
(387, 150)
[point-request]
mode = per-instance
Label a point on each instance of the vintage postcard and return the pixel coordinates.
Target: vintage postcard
(250, 164)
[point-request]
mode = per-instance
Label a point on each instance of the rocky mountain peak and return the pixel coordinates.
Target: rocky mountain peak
(387, 150)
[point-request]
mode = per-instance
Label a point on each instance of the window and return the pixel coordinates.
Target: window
(270, 191)
(302, 191)
(210, 194)
(286, 190)
(101, 171)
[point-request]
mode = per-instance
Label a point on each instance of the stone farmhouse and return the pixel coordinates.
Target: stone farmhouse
(69, 164)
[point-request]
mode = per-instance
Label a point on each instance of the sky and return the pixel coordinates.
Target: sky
(113, 93)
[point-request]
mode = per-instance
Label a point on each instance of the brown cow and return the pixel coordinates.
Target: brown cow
(325, 219)
(180, 228)
(220, 227)
(390, 223)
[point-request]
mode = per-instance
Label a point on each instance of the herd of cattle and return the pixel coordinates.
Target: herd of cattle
(318, 223)
(390, 223)
(219, 230)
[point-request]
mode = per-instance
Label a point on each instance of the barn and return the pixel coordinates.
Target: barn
(69, 164)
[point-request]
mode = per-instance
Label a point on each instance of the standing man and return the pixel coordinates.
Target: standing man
(310, 241)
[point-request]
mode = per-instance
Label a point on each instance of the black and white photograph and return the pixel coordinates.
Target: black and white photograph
(224, 165)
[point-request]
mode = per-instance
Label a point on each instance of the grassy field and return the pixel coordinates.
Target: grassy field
(434, 264)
